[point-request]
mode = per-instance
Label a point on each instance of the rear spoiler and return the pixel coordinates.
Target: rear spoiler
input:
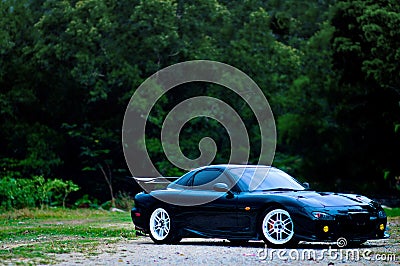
(154, 183)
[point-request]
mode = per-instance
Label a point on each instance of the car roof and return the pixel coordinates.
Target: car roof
(230, 166)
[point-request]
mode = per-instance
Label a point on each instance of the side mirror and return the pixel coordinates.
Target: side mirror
(221, 187)
(306, 185)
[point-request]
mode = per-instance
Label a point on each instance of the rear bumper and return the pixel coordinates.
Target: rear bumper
(139, 220)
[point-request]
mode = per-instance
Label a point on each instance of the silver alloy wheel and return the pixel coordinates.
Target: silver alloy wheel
(160, 224)
(277, 227)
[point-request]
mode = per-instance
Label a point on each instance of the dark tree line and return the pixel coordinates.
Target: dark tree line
(330, 70)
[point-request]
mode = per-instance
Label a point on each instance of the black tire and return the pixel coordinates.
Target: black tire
(162, 227)
(276, 228)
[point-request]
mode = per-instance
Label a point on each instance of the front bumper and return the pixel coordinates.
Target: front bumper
(351, 228)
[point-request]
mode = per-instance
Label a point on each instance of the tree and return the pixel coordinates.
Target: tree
(366, 42)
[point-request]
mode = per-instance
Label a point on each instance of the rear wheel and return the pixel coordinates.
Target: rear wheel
(277, 228)
(162, 228)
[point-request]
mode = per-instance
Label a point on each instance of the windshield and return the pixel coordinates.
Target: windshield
(264, 178)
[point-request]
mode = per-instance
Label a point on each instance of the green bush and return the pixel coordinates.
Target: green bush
(87, 202)
(17, 193)
(124, 201)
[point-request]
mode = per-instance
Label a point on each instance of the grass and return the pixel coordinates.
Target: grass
(392, 212)
(34, 236)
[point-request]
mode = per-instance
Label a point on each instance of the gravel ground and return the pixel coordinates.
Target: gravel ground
(142, 251)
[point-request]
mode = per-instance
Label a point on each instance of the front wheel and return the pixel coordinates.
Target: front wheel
(277, 228)
(162, 227)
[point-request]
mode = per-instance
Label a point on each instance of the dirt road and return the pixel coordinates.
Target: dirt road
(219, 252)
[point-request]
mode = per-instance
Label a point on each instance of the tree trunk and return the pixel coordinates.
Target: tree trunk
(108, 179)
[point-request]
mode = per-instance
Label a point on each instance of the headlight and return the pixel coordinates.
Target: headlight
(323, 216)
(381, 214)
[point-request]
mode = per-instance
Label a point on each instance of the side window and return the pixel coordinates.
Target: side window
(185, 180)
(206, 179)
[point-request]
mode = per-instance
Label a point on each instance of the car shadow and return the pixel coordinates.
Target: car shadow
(261, 244)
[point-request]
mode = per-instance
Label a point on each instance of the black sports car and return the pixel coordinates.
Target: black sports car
(243, 202)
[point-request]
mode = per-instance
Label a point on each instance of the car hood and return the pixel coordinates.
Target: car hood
(329, 199)
(324, 199)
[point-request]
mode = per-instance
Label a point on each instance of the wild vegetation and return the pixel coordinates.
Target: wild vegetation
(68, 68)
(30, 236)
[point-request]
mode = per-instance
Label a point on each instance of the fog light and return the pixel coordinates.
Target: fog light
(381, 227)
(325, 229)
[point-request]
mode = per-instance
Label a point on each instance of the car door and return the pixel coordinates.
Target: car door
(210, 212)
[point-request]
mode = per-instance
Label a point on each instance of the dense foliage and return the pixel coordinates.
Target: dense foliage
(34, 192)
(328, 68)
